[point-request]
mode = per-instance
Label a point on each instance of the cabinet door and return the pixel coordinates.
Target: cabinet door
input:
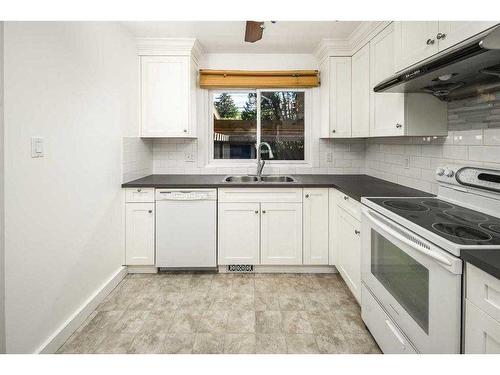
(414, 41)
(453, 32)
(239, 233)
(349, 251)
(387, 109)
(140, 234)
(482, 332)
(281, 233)
(165, 86)
(315, 226)
(361, 92)
(340, 97)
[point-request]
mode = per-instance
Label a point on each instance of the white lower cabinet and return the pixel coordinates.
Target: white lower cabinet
(140, 234)
(239, 232)
(281, 233)
(482, 332)
(348, 241)
(482, 312)
(316, 226)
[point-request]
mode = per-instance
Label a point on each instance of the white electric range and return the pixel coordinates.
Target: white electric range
(411, 266)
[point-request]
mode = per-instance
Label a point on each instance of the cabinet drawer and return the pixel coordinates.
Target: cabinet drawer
(387, 334)
(349, 204)
(275, 195)
(482, 332)
(483, 290)
(139, 195)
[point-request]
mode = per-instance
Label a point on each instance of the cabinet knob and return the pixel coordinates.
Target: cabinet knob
(333, 131)
(399, 126)
(256, 212)
(139, 190)
(185, 131)
(441, 35)
(356, 231)
(263, 211)
(307, 195)
(150, 211)
(430, 42)
(346, 197)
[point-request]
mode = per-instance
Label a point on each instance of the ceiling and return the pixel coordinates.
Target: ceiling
(228, 36)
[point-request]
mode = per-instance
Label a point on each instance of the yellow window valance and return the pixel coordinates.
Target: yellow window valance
(220, 79)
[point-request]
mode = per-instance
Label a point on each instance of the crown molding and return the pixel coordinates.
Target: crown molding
(348, 47)
(169, 46)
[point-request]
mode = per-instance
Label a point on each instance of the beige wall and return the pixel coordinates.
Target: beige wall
(76, 85)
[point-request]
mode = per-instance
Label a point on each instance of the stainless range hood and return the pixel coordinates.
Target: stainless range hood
(468, 69)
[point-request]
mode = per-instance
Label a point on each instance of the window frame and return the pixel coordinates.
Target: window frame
(251, 162)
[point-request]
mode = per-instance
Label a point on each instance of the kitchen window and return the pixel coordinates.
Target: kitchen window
(243, 118)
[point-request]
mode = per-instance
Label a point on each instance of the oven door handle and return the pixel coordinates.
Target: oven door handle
(413, 244)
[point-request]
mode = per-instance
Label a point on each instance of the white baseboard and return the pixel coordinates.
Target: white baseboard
(288, 269)
(142, 269)
(54, 342)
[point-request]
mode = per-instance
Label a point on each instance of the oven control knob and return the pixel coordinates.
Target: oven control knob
(440, 171)
(449, 173)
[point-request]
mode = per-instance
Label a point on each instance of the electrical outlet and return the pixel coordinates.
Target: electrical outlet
(407, 162)
(188, 156)
(329, 157)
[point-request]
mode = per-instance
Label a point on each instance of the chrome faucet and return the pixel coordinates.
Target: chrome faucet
(261, 163)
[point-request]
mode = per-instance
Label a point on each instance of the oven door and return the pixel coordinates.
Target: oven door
(417, 283)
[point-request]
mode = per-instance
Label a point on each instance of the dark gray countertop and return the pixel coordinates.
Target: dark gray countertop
(353, 185)
(486, 259)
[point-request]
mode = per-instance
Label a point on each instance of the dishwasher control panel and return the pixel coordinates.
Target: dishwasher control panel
(186, 194)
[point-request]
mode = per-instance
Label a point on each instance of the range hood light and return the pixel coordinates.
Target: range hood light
(446, 77)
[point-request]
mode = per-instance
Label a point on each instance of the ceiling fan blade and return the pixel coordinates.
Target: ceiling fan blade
(253, 31)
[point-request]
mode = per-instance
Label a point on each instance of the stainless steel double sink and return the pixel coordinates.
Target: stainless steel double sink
(258, 179)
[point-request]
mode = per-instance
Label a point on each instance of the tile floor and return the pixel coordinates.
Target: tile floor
(225, 313)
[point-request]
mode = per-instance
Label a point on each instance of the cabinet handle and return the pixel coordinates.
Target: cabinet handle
(441, 35)
(307, 195)
(346, 197)
(150, 211)
(399, 126)
(430, 42)
(256, 212)
(356, 231)
(139, 190)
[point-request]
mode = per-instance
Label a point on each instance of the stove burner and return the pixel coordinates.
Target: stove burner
(461, 231)
(465, 215)
(437, 204)
(406, 206)
(492, 227)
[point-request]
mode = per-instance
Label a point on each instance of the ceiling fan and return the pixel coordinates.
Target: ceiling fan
(254, 30)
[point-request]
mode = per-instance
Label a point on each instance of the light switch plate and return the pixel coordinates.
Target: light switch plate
(407, 162)
(37, 147)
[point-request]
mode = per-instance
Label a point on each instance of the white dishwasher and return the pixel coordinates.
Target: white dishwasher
(186, 227)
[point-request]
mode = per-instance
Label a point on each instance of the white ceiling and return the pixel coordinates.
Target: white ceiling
(228, 36)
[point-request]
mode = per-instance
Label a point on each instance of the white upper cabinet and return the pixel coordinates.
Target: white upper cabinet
(168, 90)
(361, 92)
(453, 32)
(165, 96)
(416, 40)
(335, 94)
(387, 109)
(395, 114)
(315, 226)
